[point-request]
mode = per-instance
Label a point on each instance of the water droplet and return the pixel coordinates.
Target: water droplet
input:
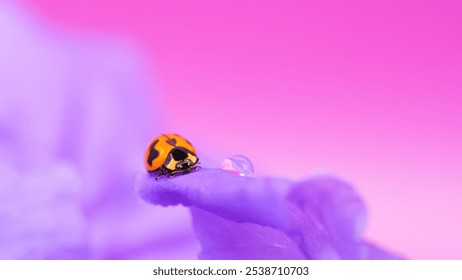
(238, 164)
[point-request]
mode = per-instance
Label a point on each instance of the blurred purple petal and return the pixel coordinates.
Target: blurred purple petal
(80, 103)
(39, 214)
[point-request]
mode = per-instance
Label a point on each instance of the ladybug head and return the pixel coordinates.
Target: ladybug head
(180, 159)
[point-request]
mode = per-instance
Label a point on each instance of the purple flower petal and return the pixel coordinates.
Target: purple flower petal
(334, 203)
(238, 217)
(224, 239)
(337, 216)
(237, 198)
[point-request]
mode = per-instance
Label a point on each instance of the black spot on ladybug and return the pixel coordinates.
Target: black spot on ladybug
(171, 142)
(178, 154)
(153, 153)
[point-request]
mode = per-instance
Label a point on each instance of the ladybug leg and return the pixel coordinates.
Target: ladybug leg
(195, 167)
(173, 173)
(190, 169)
(163, 172)
(160, 176)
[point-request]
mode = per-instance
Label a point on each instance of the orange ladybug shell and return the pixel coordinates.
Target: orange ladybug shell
(160, 147)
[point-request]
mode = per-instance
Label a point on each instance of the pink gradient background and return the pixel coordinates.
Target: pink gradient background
(368, 90)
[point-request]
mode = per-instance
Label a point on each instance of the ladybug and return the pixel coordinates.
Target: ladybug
(170, 154)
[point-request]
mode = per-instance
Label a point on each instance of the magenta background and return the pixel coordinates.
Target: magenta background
(368, 90)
